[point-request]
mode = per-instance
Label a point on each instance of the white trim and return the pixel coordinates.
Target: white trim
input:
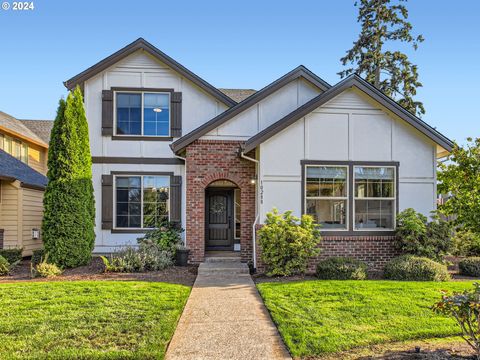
(142, 112)
(114, 186)
(343, 198)
(394, 198)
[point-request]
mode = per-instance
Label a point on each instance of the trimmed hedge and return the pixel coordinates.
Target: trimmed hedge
(415, 268)
(37, 256)
(341, 268)
(470, 266)
(11, 255)
(4, 266)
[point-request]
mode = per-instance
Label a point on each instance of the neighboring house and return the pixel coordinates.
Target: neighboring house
(23, 165)
(167, 144)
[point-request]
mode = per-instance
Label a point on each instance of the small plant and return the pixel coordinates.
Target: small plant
(147, 257)
(181, 247)
(12, 255)
(341, 268)
(287, 242)
(414, 268)
(470, 266)
(464, 307)
(166, 236)
(417, 236)
(4, 266)
(47, 270)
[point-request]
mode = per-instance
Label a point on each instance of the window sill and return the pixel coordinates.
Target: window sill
(129, 231)
(142, 138)
(358, 233)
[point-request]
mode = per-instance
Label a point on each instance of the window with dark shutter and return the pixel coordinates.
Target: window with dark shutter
(107, 201)
(107, 112)
(176, 114)
(176, 199)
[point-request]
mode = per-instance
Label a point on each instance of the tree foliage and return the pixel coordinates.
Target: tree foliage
(372, 58)
(460, 180)
(69, 208)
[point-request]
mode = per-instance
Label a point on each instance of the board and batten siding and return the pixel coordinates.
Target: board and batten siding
(350, 127)
(10, 217)
(32, 214)
(265, 112)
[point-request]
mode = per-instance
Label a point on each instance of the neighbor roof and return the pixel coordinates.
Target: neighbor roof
(42, 128)
(349, 82)
(142, 44)
(300, 71)
(238, 95)
(12, 169)
(17, 128)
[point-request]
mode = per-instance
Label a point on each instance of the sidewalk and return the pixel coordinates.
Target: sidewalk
(225, 319)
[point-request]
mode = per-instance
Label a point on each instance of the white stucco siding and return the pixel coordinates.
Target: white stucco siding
(266, 112)
(142, 70)
(347, 128)
(106, 241)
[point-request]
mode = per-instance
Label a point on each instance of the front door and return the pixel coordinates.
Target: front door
(219, 219)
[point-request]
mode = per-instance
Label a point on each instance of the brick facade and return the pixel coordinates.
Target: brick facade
(206, 162)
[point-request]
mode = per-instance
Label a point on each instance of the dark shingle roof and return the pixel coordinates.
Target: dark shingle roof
(13, 169)
(238, 95)
(17, 127)
(42, 128)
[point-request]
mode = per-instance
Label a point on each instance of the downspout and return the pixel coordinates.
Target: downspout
(185, 179)
(254, 233)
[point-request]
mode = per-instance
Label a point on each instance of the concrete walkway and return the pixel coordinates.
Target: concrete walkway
(225, 318)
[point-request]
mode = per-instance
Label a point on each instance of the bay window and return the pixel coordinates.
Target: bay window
(351, 196)
(141, 201)
(143, 113)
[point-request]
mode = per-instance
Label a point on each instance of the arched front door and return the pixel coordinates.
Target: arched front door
(219, 222)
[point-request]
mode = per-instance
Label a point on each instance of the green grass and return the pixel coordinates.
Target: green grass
(88, 319)
(319, 317)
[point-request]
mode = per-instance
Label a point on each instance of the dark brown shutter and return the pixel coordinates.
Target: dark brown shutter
(176, 114)
(176, 199)
(107, 112)
(107, 201)
(1, 238)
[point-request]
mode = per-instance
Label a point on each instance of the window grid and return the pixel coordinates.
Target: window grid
(142, 123)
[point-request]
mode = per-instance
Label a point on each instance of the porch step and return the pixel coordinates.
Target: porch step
(225, 268)
(222, 259)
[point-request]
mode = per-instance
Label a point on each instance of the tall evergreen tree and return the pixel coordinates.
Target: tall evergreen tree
(69, 206)
(371, 57)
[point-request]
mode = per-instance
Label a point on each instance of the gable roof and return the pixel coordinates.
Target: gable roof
(42, 128)
(300, 71)
(238, 95)
(12, 169)
(142, 44)
(349, 82)
(15, 127)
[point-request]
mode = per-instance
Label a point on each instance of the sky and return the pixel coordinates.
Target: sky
(234, 44)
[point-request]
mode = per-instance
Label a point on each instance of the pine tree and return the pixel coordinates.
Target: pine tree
(69, 205)
(371, 57)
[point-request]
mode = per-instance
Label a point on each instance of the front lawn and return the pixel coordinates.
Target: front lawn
(88, 319)
(319, 317)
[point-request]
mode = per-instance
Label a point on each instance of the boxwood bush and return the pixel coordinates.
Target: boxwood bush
(470, 266)
(415, 268)
(11, 255)
(341, 268)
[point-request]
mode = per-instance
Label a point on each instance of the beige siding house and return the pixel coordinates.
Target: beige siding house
(23, 166)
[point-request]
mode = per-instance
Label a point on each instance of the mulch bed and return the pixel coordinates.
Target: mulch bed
(96, 271)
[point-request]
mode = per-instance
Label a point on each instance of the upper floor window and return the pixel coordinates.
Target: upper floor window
(142, 113)
(14, 147)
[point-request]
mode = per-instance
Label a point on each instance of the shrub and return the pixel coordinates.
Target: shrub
(47, 270)
(69, 216)
(287, 242)
(37, 256)
(4, 266)
(167, 236)
(417, 236)
(414, 268)
(12, 255)
(470, 266)
(465, 243)
(341, 268)
(464, 308)
(147, 257)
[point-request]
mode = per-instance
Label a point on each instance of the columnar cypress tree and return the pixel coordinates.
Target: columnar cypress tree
(69, 205)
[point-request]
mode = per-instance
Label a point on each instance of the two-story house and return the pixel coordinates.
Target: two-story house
(23, 165)
(167, 144)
